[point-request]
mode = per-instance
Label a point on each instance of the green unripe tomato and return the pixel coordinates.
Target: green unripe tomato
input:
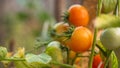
(110, 38)
(54, 44)
(109, 5)
(53, 49)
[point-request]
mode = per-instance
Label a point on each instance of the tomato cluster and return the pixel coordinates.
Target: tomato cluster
(80, 38)
(74, 35)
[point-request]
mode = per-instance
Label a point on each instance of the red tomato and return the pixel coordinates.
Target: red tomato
(97, 62)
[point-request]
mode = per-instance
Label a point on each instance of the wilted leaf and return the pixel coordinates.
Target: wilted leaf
(20, 53)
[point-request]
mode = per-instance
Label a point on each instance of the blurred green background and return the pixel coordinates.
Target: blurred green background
(23, 21)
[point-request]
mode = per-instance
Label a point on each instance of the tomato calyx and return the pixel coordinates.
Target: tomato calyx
(67, 33)
(66, 17)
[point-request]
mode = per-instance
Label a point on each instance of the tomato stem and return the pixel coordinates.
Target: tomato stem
(107, 58)
(118, 1)
(83, 56)
(101, 49)
(23, 59)
(67, 55)
(74, 59)
(13, 59)
(93, 47)
(63, 65)
(99, 7)
(116, 11)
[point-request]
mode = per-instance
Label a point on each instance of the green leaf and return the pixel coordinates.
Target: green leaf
(22, 64)
(34, 61)
(106, 21)
(3, 52)
(113, 61)
(42, 58)
(117, 52)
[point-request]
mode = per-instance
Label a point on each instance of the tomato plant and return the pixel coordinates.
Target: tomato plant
(78, 40)
(81, 39)
(78, 15)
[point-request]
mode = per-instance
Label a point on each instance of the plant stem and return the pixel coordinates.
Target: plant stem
(67, 55)
(93, 47)
(118, 4)
(107, 60)
(83, 56)
(73, 60)
(22, 59)
(116, 11)
(101, 49)
(63, 65)
(99, 7)
(13, 59)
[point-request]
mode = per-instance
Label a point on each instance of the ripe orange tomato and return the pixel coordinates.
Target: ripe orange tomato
(81, 39)
(97, 62)
(78, 15)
